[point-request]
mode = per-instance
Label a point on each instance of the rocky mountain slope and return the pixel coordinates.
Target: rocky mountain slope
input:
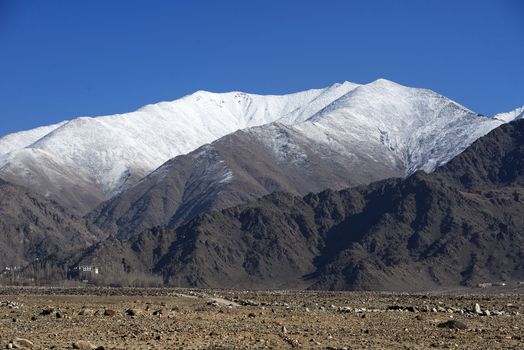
(236, 169)
(33, 227)
(462, 224)
(374, 131)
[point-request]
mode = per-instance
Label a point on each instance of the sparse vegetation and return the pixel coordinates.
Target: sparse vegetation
(48, 274)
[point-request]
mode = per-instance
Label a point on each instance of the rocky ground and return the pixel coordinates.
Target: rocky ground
(44, 318)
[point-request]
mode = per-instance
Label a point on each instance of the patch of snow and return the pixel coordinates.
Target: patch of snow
(210, 168)
(277, 138)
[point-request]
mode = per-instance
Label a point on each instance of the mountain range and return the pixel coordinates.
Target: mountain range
(326, 188)
(461, 225)
(85, 161)
(381, 128)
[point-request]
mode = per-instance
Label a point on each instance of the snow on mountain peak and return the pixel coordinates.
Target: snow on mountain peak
(419, 126)
(108, 149)
(510, 116)
(113, 152)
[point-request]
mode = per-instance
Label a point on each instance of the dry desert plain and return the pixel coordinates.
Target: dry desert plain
(113, 318)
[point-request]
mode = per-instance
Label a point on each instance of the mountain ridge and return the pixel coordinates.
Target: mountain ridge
(113, 152)
(426, 231)
(375, 131)
(85, 161)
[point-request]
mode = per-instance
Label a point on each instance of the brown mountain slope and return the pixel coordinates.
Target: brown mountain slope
(237, 169)
(460, 225)
(32, 227)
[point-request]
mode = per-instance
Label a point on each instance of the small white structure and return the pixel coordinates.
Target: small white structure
(491, 284)
(12, 268)
(87, 269)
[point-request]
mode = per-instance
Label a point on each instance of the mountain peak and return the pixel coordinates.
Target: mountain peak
(384, 82)
(344, 83)
(506, 117)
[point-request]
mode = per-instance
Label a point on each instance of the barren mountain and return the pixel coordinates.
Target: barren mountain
(33, 227)
(462, 224)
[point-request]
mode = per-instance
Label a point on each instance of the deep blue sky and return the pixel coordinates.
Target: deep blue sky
(61, 59)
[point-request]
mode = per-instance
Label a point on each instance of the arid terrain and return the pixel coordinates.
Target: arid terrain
(105, 318)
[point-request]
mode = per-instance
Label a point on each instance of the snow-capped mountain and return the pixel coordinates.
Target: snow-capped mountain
(372, 132)
(362, 128)
(461, 225)
(420, 127)
(87, 160)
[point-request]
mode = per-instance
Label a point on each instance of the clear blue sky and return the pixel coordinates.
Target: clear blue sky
(62, 59)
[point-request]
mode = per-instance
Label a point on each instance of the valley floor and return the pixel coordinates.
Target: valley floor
(105, 318)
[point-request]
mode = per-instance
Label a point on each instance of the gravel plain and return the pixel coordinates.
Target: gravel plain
(108, 318)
